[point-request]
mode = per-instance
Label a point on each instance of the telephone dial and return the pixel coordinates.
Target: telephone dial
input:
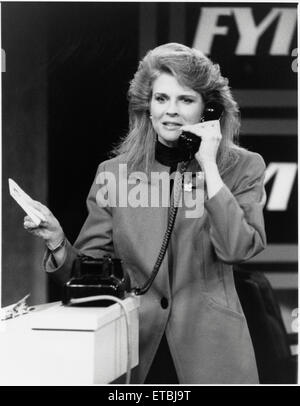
(93, 277)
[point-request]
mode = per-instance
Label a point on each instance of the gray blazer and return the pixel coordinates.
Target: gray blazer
(204, 322)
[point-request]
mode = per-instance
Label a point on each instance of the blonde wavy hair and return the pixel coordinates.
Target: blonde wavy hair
(192, 69)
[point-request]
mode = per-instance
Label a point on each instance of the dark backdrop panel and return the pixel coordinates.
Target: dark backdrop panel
(24, 146)
(93, 50)
(260, 70)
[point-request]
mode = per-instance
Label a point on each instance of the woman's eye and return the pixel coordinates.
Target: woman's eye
(160, 98)
(187, 100)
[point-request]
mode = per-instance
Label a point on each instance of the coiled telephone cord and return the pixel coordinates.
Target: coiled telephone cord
(182, 167)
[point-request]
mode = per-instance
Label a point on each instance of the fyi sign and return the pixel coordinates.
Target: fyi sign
(250, 31)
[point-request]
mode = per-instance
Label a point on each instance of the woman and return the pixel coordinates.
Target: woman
(192, 311)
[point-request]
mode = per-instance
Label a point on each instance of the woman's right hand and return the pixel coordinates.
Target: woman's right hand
(50, 230)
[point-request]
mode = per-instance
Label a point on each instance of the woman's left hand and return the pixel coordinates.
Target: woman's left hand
(210, 133)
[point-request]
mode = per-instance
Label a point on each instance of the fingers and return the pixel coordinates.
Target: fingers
(46, 213)
(207, 128)
(190, 128)
(29, 224)
(32, 228)
(40, 207)
(48, 229)
(38, 232)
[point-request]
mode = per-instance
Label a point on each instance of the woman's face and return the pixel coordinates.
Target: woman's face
(173, 106)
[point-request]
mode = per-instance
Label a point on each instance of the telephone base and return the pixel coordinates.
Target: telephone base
(76, 288)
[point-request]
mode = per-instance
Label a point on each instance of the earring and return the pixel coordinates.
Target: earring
(150, 117)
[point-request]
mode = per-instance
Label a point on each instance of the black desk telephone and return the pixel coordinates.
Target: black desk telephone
(93, 277)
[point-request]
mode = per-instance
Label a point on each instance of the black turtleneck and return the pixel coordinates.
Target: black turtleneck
(169, 156)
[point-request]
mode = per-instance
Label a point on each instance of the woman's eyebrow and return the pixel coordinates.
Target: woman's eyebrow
(180, 95)
(187, 95)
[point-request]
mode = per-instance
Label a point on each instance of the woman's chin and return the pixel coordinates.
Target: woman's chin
(169, 140)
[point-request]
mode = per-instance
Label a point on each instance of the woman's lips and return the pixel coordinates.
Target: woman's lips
(171, 126)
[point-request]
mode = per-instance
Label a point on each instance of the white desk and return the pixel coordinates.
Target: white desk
(58, 345)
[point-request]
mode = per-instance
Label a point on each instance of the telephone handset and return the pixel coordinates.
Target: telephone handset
(188, 142)
(106, 276)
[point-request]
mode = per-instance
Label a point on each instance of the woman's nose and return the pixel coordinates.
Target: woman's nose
(174, 114)
(172, 109)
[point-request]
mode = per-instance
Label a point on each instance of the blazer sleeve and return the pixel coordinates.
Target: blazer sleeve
(236, 220)
(95, 238)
